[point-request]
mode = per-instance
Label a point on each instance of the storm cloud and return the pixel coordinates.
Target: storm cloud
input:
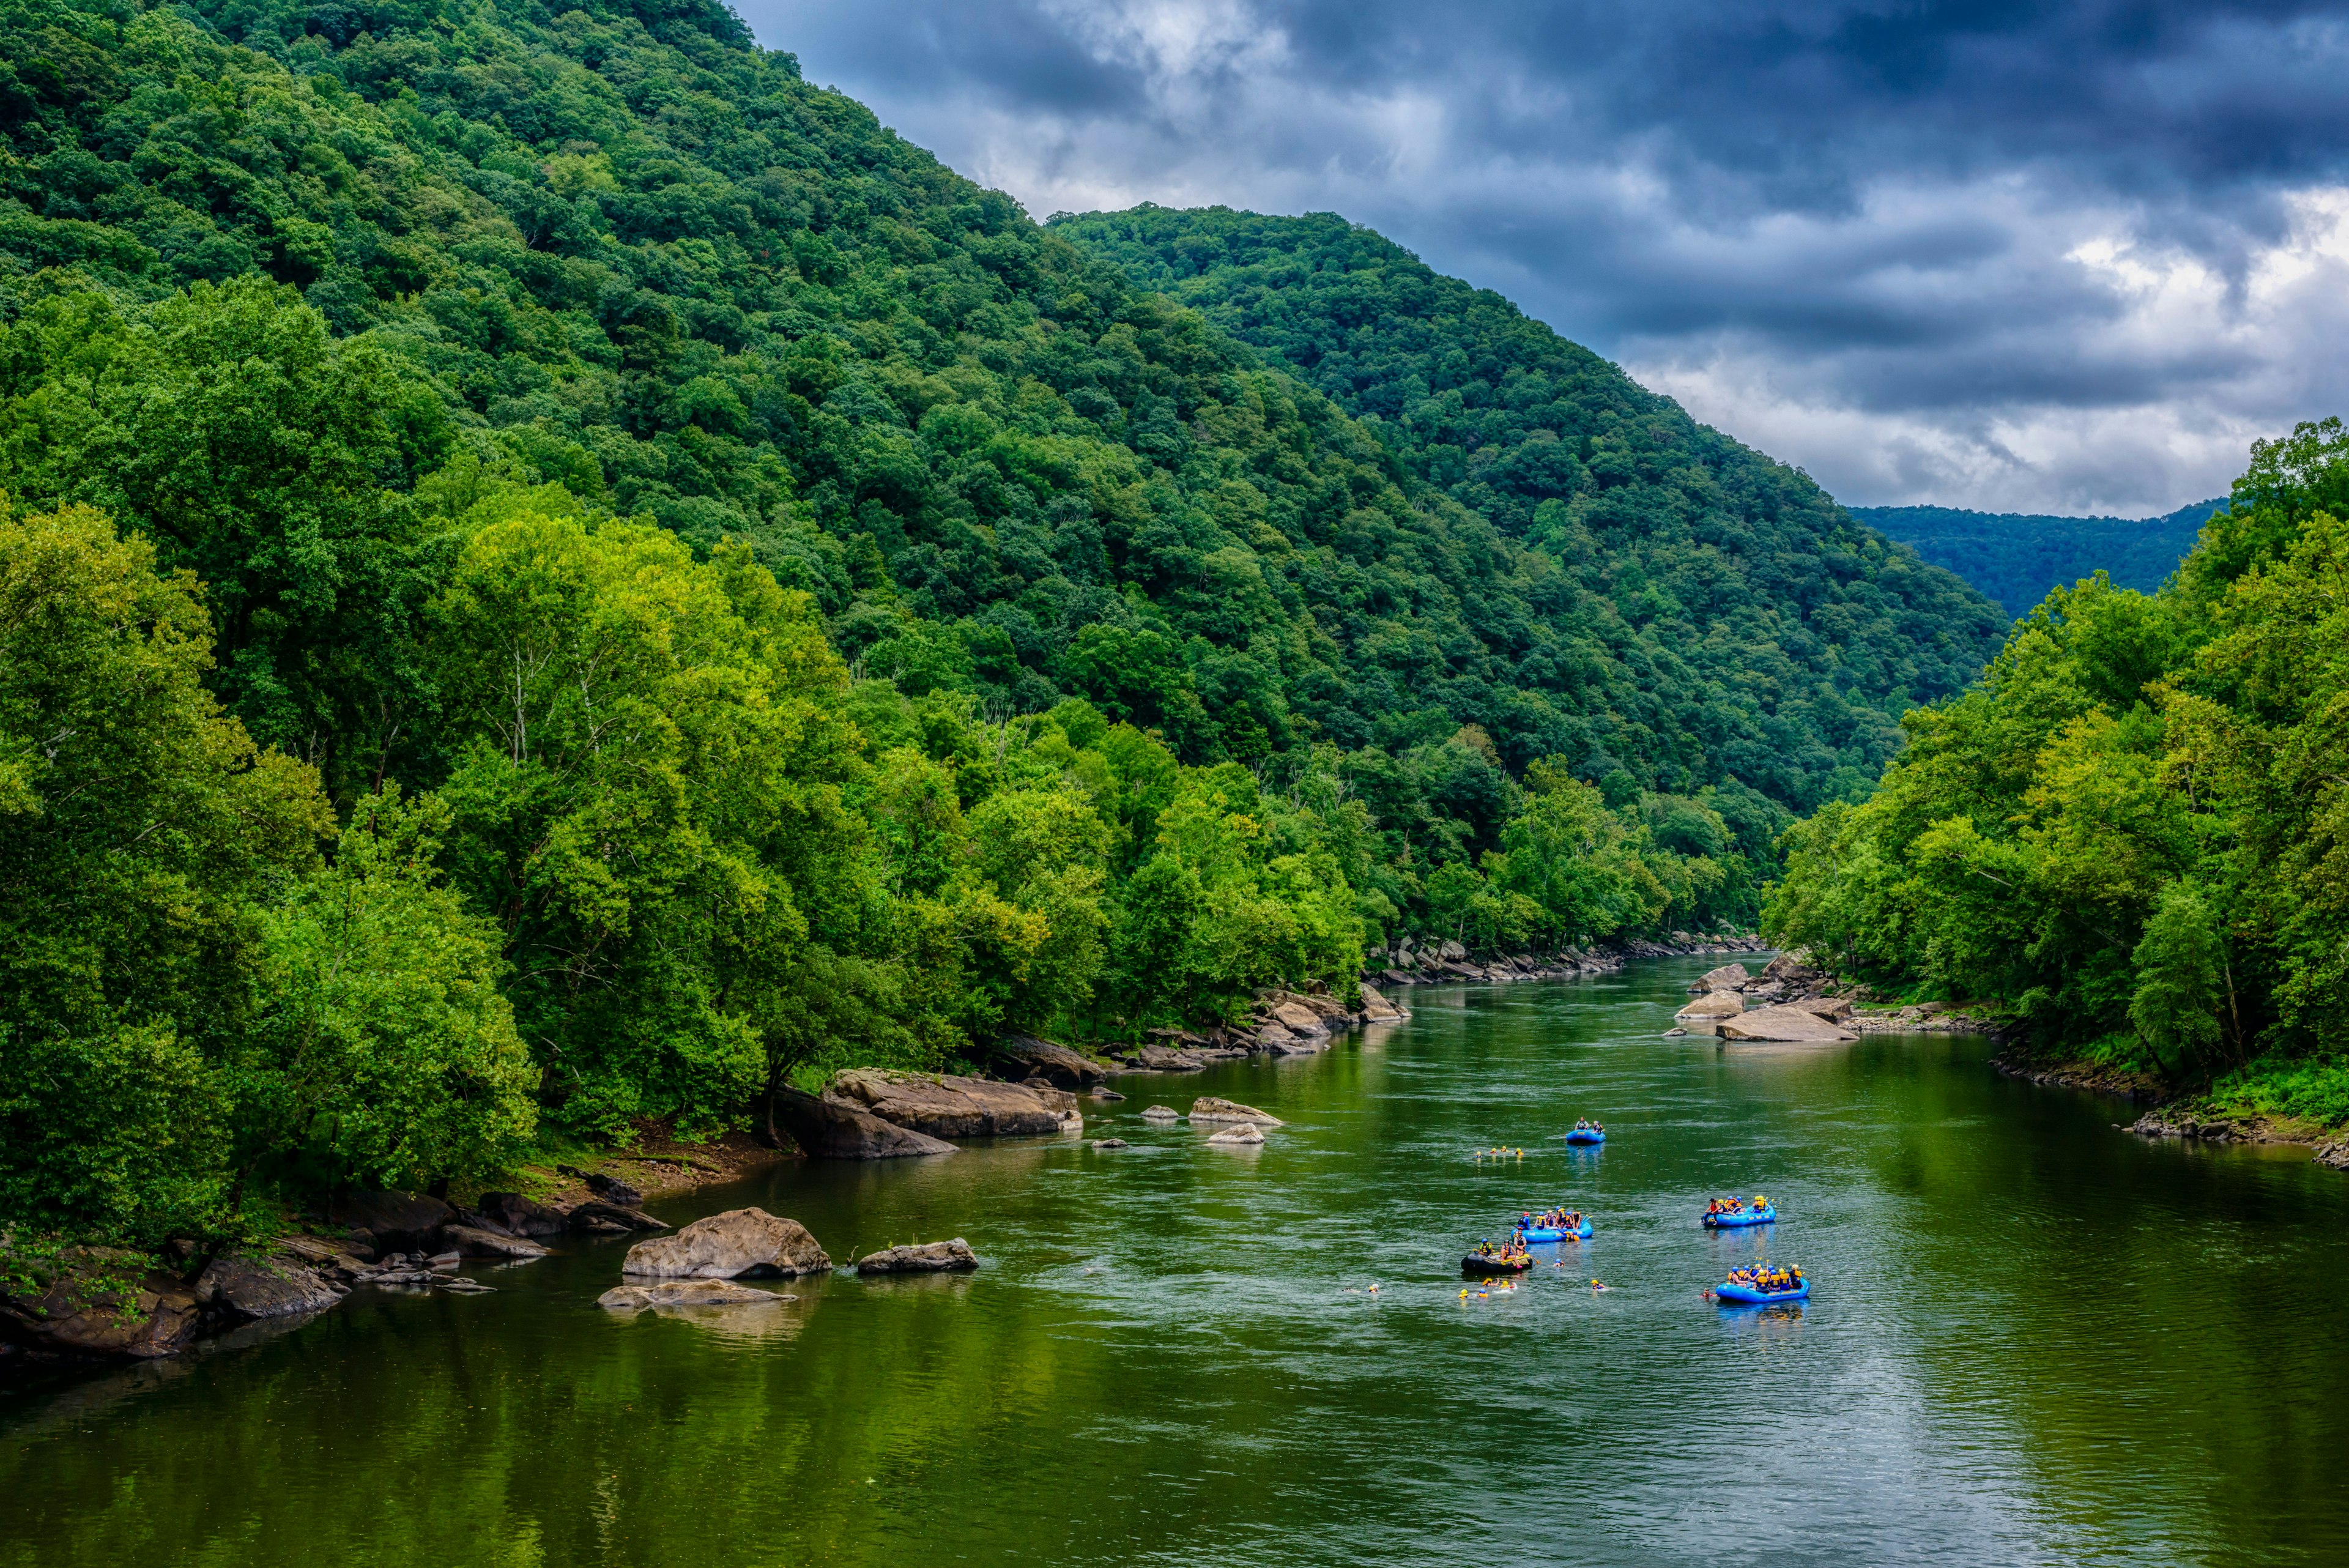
(2019, 256)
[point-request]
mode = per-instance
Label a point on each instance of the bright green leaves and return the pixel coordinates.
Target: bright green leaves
(649, 801)
(384, 1050)
(2183, 999)
(254, 452)
(139, 828)
(2133, 828)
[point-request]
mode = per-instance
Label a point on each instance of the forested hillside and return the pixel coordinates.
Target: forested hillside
(554, 574)
(2020, 558)
(1737, 624)
(2133, 834)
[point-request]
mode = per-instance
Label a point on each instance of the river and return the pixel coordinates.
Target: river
(2033, 1339)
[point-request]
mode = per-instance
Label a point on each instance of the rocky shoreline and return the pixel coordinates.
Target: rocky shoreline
(95, 1304)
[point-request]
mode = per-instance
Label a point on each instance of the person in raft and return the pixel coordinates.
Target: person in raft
(1724, 1206)
(1766, 1279)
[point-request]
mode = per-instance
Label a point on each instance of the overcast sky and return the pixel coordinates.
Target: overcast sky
(2026, 257)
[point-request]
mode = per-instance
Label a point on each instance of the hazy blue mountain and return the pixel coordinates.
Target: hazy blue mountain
(2016, 558)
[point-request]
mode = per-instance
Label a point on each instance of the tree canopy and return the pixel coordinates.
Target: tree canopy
(2131, 832)
(615, 582)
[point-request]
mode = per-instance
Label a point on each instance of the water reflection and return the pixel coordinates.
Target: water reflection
(1171, 1355)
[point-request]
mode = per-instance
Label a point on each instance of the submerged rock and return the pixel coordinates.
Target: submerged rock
(1244, 1133)
(730, 1245)
(1162, 1114)
(1207, 1108)
(921, 1258)
(688, 1294)
(1109, 1143)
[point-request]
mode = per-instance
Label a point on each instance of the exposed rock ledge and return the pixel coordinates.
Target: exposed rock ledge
(952, 1106)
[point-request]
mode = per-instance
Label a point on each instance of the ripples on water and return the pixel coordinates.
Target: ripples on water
(2033, 1339)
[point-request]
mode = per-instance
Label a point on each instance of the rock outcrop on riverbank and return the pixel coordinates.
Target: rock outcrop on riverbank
(950, 1106)
(1447, 962)
(826, 1128)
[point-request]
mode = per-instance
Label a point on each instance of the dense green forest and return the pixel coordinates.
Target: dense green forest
(2134, 832)
(1743, 626)
(2019, 559)
(553, 574)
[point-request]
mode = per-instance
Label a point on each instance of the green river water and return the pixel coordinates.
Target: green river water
(2034, 1339)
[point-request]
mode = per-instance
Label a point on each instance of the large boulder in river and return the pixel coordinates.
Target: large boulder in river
(921, 1258)
(1782, 1023)
(253, 1288)
(98, 1302)
(1048, 1060)
(1243, 1134)
(829, 1129)
(1207, 1108)
(1376, 1008)
(727, 1246)
(1704, 1015)
(1728, 977)
(399, 1221)
(948, 1106)
(1833, 1008)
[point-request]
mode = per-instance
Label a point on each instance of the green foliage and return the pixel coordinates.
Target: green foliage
(386, 1051)
(138, 829)
(2019, 559)
(575, 580)
(1660, 599)
(2135, 825)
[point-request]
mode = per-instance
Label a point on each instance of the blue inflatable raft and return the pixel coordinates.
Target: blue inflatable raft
(1747, 1295)
(1586, 1135)
(1551, 1233)
(1762, 1215)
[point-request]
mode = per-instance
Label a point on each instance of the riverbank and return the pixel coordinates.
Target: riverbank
(1160, 1326)
(2216, 1119)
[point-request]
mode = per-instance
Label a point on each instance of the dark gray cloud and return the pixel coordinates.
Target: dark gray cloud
(2050, 257)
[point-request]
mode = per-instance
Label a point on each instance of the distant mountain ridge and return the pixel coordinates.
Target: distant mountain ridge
(2018, 558)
